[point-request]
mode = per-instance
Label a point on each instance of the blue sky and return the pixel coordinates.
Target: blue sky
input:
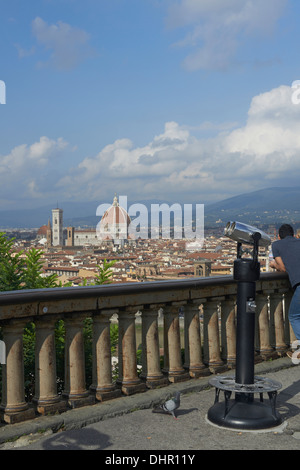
(178, 100)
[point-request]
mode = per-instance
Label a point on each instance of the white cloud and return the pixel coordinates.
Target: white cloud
(217, 27)
(24, 170)
(174, 165)
(122, 166)
(177, 166)
(24, 52)
(68, 44)
(269, 145)
(272, 126)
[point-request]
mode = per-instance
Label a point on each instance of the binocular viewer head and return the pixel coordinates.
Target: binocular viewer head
(243, 233)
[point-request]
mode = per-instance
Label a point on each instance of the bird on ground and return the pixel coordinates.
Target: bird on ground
(170, 406)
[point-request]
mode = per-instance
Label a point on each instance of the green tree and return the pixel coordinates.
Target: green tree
(11, 265)
(105, 272)
(104, 275)
(20, 270)
(32, 274)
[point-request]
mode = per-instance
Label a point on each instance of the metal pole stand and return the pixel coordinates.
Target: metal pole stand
(244, 412)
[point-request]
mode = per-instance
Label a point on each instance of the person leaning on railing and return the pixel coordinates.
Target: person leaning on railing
(286, 253)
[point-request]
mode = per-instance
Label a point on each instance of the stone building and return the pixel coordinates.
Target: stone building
(57, 227)
(112, 228)
(114, 224)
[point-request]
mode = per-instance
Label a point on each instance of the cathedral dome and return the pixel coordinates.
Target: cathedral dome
(114, 222)
(116, 214)
(42, 231)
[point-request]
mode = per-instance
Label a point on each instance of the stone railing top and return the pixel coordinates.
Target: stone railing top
(37, 302)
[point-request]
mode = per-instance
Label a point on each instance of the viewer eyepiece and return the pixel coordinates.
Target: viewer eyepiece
(243, 233)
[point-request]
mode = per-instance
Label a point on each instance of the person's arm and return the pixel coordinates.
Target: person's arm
(278, 264)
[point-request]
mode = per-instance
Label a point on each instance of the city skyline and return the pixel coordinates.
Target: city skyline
(189, 101)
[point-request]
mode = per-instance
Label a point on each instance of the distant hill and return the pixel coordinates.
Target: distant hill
(76, 214)
(264, 199)
(35, 218)
(266, 206)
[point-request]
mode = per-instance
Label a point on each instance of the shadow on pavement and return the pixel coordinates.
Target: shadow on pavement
(78, 439)
(284, 407)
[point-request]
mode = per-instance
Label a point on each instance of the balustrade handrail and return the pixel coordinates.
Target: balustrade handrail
(209, 337)
(61, 293)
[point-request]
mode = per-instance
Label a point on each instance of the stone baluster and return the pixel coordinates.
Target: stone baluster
(276, 311)
(151, 370)
(193, 348)
(75, 391)
(13, 407)
(228, 331)
(46, 399)
(172, 349)
(128, 378)
(264, 346)
(212, 335)
(103, 386)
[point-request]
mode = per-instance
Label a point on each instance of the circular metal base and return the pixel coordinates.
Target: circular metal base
(260, 385)
(244, 412)
(249, 416)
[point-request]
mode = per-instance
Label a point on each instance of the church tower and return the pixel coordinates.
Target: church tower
(70, 236)
(202, 268)
(49, 234)
(57, 227)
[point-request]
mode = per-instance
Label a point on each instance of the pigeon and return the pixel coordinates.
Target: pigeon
(170, 406)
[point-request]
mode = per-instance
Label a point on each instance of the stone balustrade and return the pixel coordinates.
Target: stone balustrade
(206, 347)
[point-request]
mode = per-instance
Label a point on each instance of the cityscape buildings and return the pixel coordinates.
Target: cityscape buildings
(75, 254)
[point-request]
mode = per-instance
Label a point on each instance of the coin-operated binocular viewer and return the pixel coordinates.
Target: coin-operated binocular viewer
(244, 411)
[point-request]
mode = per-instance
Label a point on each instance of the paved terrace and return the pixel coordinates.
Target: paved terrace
(209, 348)
(128, 424)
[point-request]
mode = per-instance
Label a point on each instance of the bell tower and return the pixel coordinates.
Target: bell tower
(57, 227)
(49, 234)
(202, 268)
